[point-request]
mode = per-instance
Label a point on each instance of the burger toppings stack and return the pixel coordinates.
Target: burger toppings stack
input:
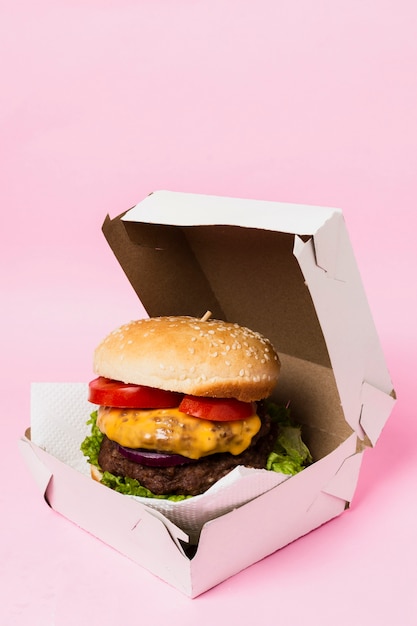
(180, 404)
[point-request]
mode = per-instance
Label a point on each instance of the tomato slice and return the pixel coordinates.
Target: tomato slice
(108, 392)
(216, 409)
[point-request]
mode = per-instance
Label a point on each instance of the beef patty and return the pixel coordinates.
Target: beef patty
(193, 478)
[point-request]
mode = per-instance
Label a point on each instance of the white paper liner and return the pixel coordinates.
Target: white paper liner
(59, 412)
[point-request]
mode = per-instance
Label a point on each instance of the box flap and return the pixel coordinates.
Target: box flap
(148, 538)
(343, 483)
(143, 535)
(376, 408)
(353, 345)
(269, 522)
(329, 253)
(41, 473)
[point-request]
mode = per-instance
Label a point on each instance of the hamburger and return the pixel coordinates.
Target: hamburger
(180, 403)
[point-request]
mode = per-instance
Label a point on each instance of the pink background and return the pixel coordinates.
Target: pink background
(103, 101)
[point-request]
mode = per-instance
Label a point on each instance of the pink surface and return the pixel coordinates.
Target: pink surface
(105, 101)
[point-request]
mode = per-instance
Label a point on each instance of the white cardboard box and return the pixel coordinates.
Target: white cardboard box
(289, 272)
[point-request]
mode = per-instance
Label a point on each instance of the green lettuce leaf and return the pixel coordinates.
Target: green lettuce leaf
(290, 454)
(90, 447)
(132, 487)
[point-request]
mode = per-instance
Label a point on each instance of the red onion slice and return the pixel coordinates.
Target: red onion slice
(152, 458)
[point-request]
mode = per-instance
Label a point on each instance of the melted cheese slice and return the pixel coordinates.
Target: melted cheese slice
(170, 430)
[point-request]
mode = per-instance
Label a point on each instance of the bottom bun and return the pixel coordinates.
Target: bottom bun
(95, 473)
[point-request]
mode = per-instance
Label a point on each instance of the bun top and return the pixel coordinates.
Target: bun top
(202, 358)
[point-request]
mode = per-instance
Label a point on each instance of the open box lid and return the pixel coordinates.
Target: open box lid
(285, 270)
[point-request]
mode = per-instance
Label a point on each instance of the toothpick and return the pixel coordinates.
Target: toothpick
(206, 316)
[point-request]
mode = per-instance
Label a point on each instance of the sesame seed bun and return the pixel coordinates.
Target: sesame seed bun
(95, 473)
(185, 354)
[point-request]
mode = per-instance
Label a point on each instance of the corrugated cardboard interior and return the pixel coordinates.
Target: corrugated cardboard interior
(248, 276)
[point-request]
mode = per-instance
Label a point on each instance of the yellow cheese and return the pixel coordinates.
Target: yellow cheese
(170, 430)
